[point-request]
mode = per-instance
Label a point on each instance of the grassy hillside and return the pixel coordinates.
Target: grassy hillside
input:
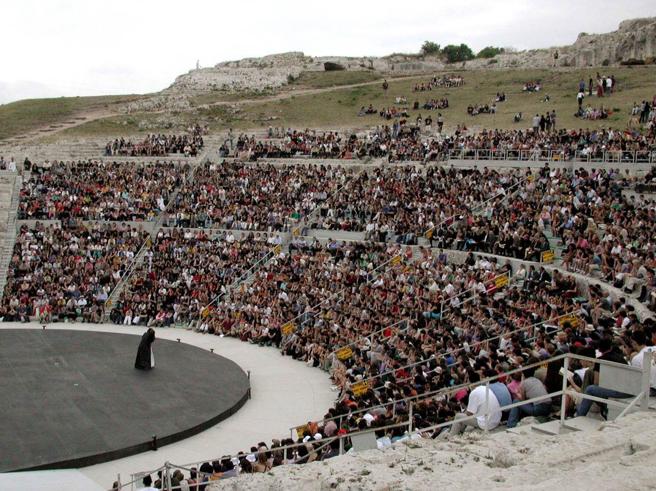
(17, 118)
(340, 107)
(320, 80)
(328, 105)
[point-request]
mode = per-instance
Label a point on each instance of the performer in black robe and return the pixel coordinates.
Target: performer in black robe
(145, 359)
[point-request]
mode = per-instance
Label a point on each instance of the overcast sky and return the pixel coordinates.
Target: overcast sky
(92, 47)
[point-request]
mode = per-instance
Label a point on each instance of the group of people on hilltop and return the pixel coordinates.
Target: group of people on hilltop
(9, 165)
(446, 81)
(532, 86)
(476, 109)
(544, 123)
(602, 86)
(430, 104)
(645, 112)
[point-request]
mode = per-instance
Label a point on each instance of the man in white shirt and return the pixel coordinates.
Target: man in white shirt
(148, 484)
(639, 343)
(477, 406)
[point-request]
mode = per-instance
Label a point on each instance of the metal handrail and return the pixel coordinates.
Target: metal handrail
(441, 390)
(647, 156)
(128, 272)
(642, 396)
(477, 343)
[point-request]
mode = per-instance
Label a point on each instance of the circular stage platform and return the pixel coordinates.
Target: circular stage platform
(74, 398)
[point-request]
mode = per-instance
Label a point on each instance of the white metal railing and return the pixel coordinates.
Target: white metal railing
(538, 155)
(127, 274)
(640, 400)
(404, 400)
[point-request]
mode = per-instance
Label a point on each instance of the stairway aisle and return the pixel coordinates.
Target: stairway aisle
(10, 185)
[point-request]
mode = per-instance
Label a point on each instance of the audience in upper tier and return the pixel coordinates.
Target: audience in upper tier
(402, 141)
(159, 145)
(254, 197)
(98, 190)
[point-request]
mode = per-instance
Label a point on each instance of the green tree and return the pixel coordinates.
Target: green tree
(455, 53)
(489, 52)
(430, 48)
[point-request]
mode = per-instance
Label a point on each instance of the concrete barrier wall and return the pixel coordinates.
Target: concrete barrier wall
(633, 169)
(630, 169)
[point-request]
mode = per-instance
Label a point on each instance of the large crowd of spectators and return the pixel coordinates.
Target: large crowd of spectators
(183, 271)
(402, 141)
(98, 190)
(416, 328)
(59, 273)
(563, 144)
(416, 323)
(266, 197)
(401, 203)
(159, 144)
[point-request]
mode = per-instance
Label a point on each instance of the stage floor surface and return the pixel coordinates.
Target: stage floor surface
(74, 398)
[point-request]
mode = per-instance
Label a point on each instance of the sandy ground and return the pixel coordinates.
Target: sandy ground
(619, 455)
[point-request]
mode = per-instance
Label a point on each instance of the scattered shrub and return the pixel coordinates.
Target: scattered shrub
(455, 53)
(430, 48)
(606, 62)
(632, 62)
(329, 66)
(489, 52)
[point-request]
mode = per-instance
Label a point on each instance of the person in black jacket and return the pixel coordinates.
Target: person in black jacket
(145, 359)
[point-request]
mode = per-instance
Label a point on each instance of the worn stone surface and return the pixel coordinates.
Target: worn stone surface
(617, 456)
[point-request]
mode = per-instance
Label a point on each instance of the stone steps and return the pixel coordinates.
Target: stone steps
(8, 209)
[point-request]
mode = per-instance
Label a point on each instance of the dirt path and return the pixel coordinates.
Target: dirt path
(290, 92)
(81, 118)
(72, 121)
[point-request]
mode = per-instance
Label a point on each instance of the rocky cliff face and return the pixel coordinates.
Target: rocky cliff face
(635, 39)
